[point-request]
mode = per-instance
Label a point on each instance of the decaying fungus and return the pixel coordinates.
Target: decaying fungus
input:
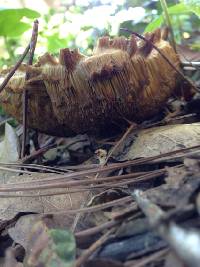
(123, 79)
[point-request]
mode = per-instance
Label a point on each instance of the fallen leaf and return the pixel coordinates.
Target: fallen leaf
(9, 150)
(50, 247)
(172, 260)
(9, 147)
(175, 176)
(10, 260)
(187, 54)
(10, 206)
(21, 231)
(173, 196)
(102, 216)
(156, 141)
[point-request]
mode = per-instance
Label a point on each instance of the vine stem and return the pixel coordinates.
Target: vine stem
(168, 21)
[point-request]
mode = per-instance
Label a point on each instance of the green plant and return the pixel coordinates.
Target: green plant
(13, 25)
(184, 7)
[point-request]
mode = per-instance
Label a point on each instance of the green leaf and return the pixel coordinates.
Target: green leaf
(13, 30)
(178, 9)
(55, 43)
(60, 251)
(154, 24)
(181, 8)
(20, 12)
(193, 6)
(57, 247)
(64, 244)
(10, 21)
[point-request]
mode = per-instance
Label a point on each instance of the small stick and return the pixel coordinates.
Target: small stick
(33, 43)
(131, 211)
(177, 237)
(166, 59)
(57, 179)
(154, 213)
(36, 153)
(132, 126)
(143, 262)
(47, 184)
(97, 229)
(87, 253)
(16, 66)
(25, 93)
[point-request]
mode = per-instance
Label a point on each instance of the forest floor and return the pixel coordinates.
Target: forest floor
(132, 199)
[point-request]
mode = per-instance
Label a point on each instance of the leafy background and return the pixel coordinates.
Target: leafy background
(78, 23)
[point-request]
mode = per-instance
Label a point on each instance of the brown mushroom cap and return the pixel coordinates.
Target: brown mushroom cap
(123, 79)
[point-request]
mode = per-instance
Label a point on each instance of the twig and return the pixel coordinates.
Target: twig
(57, 181)
(37, 153)
(95, 208)
(16, 66)
(33, 185)
(131, 211)
(85, 200)
(132, 126)
(79, 214)
(14, 170)
(151, 210)
(166, 59)
(148, 259)
(25, 93)
(86, 254)
(81, 174)
(177, 237)
(79, 189)
(37, 166)
(97, 229)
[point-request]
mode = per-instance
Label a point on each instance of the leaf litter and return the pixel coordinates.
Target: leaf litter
(130, 199)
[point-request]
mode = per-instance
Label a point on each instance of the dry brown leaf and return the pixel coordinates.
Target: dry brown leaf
(10, 260)
(21, 231)
(156, 141)
(10, 206)
(172, 260)
(102, 216)
(187, 54)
